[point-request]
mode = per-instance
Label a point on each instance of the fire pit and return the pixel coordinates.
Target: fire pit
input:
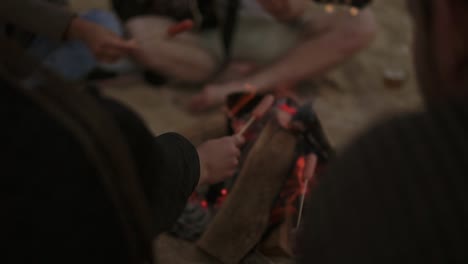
(260, 207)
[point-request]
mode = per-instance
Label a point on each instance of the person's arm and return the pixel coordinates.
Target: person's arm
(58, 23)
(170, 166)
(106, 45)
(335, 39)
(284, 10)
(36, 16)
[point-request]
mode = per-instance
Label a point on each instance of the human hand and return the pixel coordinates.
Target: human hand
(284, 10)
(106, 46)
(219, 159)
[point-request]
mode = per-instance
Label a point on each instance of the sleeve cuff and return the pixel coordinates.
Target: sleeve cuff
(178, 174)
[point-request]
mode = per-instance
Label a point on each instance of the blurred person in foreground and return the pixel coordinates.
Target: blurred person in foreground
(58, 140)
(399, 193)
(55, 205)
(68, 43)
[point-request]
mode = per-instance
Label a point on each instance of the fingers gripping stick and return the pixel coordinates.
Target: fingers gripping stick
(258, 112)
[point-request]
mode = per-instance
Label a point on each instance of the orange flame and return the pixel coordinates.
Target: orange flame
(252, 91)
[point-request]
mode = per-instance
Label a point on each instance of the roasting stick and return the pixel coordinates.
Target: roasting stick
(258, 113)
(309, 173)
(183, 26)
(244, 100)
(174, 29)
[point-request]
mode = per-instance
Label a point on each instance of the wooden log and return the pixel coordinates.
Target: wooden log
(171, 250)
(241, 222)
(279, 242)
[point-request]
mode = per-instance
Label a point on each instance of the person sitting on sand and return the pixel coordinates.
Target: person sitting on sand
(275, 43)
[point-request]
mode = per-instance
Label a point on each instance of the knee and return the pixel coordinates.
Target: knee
(361, 32)
(147, 25)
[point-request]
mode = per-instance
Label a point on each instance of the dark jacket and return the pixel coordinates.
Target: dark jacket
(55, 204)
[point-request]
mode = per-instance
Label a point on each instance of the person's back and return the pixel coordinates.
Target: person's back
(399, 194)
(54, 205)
(84, 178)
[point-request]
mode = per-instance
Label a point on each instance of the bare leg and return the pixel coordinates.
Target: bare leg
(181, 57)
(328, 41)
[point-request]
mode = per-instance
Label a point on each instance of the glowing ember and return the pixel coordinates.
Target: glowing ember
(300, 165)
(204, 204)
(224, 192)
(288, 109)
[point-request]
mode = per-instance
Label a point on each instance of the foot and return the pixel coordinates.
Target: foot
(213, 95)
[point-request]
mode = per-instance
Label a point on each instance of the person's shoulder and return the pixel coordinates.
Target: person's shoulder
(436, 120)
(404, 140)
(407, 169)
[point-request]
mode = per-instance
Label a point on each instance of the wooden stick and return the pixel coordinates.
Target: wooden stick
(309, 173)
(258, 112)
(180, 27)
(301, 208)
(242, 102)
(252, 91)
(246, 126)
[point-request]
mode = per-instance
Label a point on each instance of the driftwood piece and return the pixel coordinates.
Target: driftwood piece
(278, 242)
(241, 222)
(171, 250)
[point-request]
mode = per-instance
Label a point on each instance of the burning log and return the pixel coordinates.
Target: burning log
(244, 216)
(278, 242)
(260, 209)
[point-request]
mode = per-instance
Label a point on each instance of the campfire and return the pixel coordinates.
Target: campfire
(249, 114)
